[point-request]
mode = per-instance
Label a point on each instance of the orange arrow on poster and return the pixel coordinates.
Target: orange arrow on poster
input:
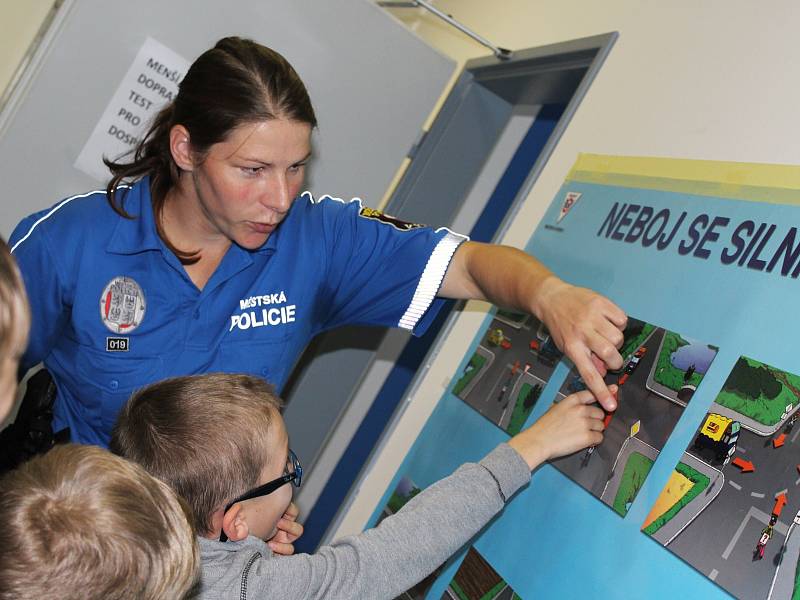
(778, 441)
(780, 502)
(745, 465)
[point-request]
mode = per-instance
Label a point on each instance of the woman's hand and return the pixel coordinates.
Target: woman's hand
(588, 328)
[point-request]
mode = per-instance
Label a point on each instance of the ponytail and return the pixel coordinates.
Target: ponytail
(151, 157)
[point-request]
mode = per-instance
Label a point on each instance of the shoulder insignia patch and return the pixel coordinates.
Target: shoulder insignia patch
(376, 215)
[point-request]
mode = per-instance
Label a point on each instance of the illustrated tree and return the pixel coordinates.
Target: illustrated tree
(532, 397)
(751, 382)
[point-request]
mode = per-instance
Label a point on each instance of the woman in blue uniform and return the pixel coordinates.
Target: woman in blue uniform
(202, 255)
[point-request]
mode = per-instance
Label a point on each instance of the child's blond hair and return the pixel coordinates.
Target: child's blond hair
(14, 311)
(79, 522)
(207, 436)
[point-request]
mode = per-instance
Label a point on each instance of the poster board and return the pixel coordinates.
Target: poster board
(706, 249)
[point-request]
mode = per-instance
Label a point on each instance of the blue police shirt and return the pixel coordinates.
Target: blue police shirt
(113, 309)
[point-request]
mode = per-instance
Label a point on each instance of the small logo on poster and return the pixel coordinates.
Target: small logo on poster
(570, 201)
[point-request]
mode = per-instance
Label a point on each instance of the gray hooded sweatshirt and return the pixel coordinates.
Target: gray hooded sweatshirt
(378, 563)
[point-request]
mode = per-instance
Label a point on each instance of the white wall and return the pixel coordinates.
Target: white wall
(704, 80)
(19, 23)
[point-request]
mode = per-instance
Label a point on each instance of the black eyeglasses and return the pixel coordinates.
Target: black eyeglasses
(294, 473)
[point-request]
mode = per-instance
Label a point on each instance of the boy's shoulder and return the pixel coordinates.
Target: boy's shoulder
(225, 566)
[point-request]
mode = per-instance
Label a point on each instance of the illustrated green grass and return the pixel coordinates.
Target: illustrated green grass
(636, 470)
(490, 595)
(759, 391)
(635, 337)
(473, 368)
(526, 400)
(668, 374)
(700, 482)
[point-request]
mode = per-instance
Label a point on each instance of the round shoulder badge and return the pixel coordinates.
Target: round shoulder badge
(122, 305)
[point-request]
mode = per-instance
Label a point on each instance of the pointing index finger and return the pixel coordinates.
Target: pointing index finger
(595, 383)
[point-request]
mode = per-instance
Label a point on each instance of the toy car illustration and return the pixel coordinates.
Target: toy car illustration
(718, 435)
(549, 353)
(762, 544)
(765, 535)
(634, 361)
(498, 338)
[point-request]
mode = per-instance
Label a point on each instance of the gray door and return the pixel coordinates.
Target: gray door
(499, 123)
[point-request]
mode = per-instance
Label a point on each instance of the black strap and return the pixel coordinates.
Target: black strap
(32, 431)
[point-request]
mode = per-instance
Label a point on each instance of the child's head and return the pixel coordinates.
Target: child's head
(212, 438)
(79, 522)
(14, 324)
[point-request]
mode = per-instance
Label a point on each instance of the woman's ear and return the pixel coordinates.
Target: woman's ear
(180, 146)
(234, 525)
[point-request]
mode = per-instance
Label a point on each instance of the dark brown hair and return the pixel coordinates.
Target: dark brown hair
(238, 81)
(81, 523)
(206, 436)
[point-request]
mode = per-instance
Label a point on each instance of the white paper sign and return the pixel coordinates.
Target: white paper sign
(150, 83)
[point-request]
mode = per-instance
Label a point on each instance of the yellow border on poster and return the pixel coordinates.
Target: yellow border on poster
(755, 182)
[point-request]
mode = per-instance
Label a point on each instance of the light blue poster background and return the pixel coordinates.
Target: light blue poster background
(555, 540)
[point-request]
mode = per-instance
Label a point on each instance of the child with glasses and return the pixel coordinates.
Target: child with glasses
(81, 523)
(220, 442)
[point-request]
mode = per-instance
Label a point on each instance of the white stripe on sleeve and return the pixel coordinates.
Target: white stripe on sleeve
(53, 210)
(431, 279)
